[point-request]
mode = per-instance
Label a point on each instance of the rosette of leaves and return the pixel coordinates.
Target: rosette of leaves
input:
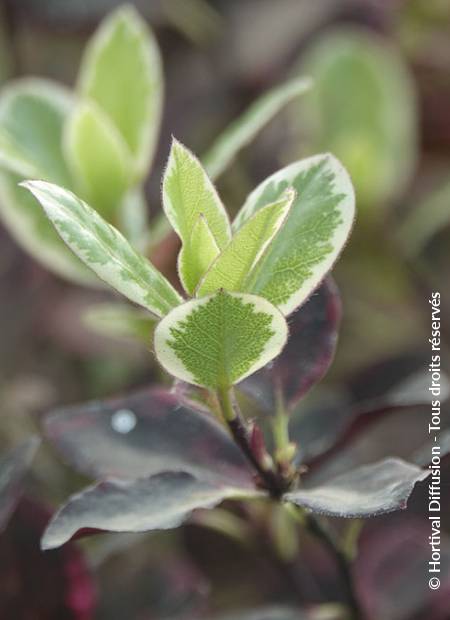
(99, 139)
(158, 455)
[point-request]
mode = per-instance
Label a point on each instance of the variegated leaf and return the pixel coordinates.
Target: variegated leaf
(121, 71)
(315, 232)
(104, 249)
(218, 340)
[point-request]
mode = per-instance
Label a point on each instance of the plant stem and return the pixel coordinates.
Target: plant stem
(314, 526)
(239, 430)
(276, 486)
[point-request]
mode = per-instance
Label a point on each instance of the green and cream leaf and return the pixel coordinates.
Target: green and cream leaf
(217, 341)
(104, 249)
(98, 157)
(237, 261)
(121, 71)
(189, 193)
(197, 255)
(242, 131)
(315, 232)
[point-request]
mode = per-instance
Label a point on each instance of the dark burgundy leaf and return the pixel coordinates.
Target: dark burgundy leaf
(160, 502)
(12, 470)
(364, 492)
(44, 586)
(137, 583)
(316, 422)
(391, 571)
(145, 433)
(307, 354)
(376, 431)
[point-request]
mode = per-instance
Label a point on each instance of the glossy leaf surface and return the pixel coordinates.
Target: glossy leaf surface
(160, 502)
(363, 492)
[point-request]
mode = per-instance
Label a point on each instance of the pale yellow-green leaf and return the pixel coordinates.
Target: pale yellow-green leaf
(236, 262)
(197, 255)
(220, 339)
(98, 157)
(121, 70)
(188, 192)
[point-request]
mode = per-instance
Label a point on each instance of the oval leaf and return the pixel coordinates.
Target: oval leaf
(315, 232)
(242, 131)
(188, 193)
(217, 341)
(145, 433)
(104, 249)
(32, 117)
(160, 502)
(98, 157)
(364, 492)
(235, 265)
(363, 109)
(121, 71)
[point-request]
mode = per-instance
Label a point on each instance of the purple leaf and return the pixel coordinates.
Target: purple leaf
(136, 584)
(160, 502)
(307, 354)
(376, 431)
(12, 471)
(364, 492)
(36, 585)
(391, 571)
(145, 433)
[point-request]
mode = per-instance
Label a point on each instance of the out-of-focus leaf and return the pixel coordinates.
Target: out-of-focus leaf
(32, 116)
(242, 131)
(145, 433)
(196, 256)
(317, 422)
(313, 236)
(364, 492)
(375, 431)
(104, 249)
(425, 219)
(148, 588)
(307, 355)
(187, 194)
(219, 340)
(12, 469)
(389, 570)
(98, 157)
(121, 70)
(120, 321)
(362, 108)
(240, 257)
(41, 585)
(32, 230)
(163, 501)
